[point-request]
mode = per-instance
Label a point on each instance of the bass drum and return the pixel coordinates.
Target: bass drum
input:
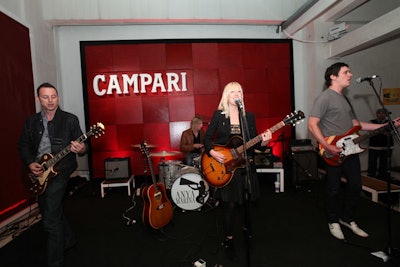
(189, 191)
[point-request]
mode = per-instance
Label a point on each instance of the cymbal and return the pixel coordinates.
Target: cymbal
(147, 145)
(165, 153)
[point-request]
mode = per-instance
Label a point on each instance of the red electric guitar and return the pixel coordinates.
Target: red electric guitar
(349, 142)
(157, 209)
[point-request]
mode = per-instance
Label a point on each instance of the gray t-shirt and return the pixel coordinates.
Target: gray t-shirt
(334, 112)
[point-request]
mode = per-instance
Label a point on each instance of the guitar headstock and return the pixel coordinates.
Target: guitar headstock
(144, 149)
(295, 117)
(98, 129)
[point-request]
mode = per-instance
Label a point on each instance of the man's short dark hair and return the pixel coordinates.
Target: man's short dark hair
(46, 84)
(333, 70)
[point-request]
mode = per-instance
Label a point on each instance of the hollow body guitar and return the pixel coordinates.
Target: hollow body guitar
(220, 174)
(157, 209)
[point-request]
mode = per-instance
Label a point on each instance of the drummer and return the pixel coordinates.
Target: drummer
(192, 141)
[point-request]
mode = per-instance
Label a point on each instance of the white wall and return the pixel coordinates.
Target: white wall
(382, 60)
(311, 60)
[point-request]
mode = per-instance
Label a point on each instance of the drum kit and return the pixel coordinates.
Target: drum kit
(189, 190)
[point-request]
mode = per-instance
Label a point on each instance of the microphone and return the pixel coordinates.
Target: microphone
(360, 80)
(239, 103)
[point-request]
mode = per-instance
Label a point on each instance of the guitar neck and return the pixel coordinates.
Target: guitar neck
(60, 155)
(372, 133)
(153, 177)
(258, 138)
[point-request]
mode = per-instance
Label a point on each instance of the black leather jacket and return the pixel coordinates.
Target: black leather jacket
(63, 129)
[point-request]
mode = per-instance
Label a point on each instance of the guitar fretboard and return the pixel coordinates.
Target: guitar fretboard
(258, 138)
(60, 155)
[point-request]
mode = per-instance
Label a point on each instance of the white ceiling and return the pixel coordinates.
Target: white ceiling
(369, 22)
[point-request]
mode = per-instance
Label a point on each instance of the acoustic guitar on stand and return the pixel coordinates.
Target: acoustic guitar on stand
(349, 142)
(157, 209)
(36, 185)
(220, 174)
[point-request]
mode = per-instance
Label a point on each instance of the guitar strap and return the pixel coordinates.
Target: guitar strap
(352, 110)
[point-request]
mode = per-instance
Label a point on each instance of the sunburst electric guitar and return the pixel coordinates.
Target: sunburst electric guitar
(220, 174)
(157, 209)
(36, 185)
(349, 142)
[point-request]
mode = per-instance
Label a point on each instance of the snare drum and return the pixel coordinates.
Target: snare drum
(168, 171)
(189, 191)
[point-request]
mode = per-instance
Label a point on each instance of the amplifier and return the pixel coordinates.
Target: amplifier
(302, 148)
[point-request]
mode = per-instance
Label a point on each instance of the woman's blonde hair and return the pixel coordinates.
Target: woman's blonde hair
(223, 104)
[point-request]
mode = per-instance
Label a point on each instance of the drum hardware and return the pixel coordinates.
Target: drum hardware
(197, 162)
(168, 171)
(149, 146)
(165, 153)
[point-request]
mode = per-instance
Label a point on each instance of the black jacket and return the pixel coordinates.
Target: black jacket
(63, 129)
(218, 132)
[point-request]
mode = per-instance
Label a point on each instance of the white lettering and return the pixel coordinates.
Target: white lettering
(158, 82)
(114, 85)
(183, 79)
(130, 81)
(96, 80)
(138, 82)
(172, 80)
(145, 79)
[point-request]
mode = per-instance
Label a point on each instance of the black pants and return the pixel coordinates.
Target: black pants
(59, 234)
(351, 170)
(373, 157)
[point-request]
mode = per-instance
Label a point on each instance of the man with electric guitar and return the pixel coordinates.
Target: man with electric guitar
(50, 131)
(335, 127)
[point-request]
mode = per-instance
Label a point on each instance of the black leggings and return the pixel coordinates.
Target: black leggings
(229, 217)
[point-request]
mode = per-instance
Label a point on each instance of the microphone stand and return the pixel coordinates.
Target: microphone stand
(390, 251)
(247, 221)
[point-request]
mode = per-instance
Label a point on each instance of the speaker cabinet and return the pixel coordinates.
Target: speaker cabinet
(117, 168)
(304, 166)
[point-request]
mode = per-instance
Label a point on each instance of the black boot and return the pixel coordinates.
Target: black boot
(230, 249)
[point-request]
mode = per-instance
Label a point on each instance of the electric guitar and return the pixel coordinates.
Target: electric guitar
(220, 174)
(349, 142)
(36, 185)
(157, 209)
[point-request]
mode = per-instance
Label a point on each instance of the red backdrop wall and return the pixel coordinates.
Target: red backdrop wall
(16, 86)
(263, 67)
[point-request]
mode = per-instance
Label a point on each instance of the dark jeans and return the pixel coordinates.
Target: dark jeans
(59, 234)
(373, 157)
(351, 170)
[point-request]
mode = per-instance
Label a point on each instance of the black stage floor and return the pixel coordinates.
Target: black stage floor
(289, 229)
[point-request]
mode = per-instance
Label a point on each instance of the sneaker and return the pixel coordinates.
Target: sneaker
(335, 230)
(354, 227)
